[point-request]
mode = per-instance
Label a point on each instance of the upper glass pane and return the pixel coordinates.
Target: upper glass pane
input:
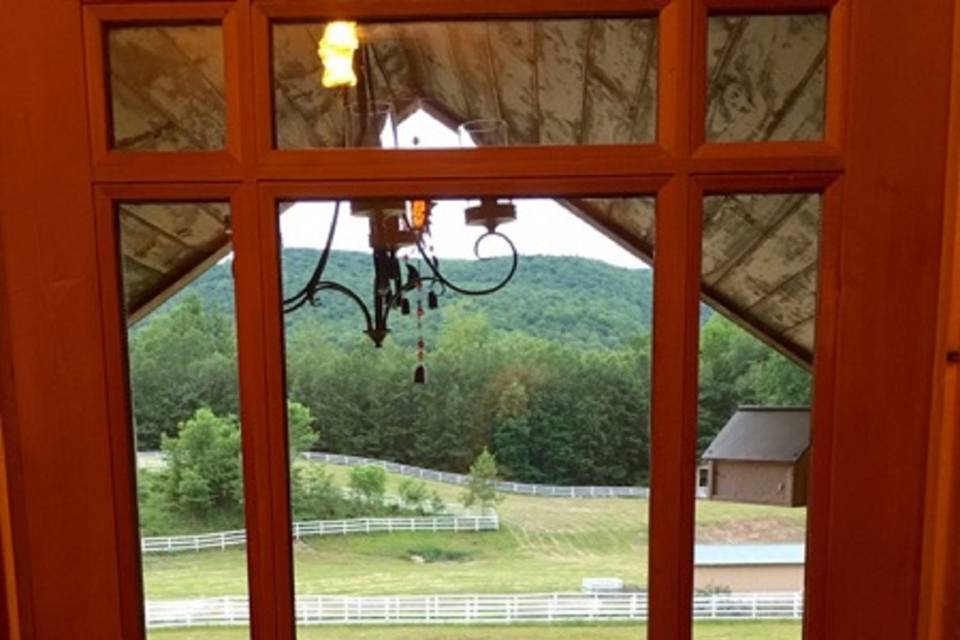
(167, 88)
(766, 78)
(531, 82)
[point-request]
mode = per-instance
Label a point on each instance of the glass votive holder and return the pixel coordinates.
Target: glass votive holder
(371, 124)
(483, 133)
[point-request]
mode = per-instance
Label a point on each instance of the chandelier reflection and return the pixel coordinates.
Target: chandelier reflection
(407, 277)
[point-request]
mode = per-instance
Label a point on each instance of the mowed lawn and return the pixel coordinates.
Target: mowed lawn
(702, 631)
(544, 545)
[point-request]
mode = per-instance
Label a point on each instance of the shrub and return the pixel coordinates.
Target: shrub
(314, 494)
(203, 464)
(482, 483)
(414, 494)
(369, 483)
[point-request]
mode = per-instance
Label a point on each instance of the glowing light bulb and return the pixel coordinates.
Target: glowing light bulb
(336, 50)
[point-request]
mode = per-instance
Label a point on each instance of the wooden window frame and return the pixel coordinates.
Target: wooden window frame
(680, 167)
(115, 164)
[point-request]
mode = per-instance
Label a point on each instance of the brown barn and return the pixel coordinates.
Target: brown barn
(761, 456)
(749, 568)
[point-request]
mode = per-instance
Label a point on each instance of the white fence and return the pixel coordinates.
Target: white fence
(473, 609)
(543, 490)
(224, 539)
(154, 460)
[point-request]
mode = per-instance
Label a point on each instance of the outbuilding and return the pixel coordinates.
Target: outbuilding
(761, 456)
(748, 568)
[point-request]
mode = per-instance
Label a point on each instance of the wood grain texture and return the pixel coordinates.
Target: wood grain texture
(59, 423)
(940, 611)
(876, 434)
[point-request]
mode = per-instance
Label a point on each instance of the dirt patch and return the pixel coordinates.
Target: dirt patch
(757, 530)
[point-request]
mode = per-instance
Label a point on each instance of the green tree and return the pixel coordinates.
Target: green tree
(369, 483)
(314, 495)
(300, 424)
(482, 483)
(726, 354)
(203, 465)
(182, 360)
(776, 381)
(736, 369)
(414, 494)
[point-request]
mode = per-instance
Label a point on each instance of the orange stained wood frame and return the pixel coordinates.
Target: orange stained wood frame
(67, 462)
(942, 554)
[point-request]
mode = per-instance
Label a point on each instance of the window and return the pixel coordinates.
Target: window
(504, 82)
(182, 350)
(487, 460)
(552, 374)
(760, 264)
(167, 87)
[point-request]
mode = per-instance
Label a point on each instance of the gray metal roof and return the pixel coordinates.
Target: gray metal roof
(763, 434)
(715, 555)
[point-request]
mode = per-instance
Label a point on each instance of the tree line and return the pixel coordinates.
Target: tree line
(568, 407)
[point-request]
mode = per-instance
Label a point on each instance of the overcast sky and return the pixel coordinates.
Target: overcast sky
(543, 227)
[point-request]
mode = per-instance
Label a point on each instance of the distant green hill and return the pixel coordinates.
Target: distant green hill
(568, 299)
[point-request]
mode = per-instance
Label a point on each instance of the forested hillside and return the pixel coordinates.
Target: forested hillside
(552, 373)
(573, 299)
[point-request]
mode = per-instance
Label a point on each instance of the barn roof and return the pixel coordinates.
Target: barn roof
(763, 434)
(727, 555)
(589, 81)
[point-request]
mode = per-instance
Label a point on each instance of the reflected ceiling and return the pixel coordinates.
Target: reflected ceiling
(553, 82)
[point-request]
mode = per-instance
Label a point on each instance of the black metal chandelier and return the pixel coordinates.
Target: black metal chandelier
(397, 227)
(393, 230)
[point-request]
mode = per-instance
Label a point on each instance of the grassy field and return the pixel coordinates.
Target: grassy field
(545, 544)
(703, 631)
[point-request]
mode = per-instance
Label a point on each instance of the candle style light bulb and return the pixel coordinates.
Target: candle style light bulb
(336, 49)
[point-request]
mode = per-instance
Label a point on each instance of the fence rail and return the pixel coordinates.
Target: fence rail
(520, 488)
(473, 609)
(224, 539)
(154, 460)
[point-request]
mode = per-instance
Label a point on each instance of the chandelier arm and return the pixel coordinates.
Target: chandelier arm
(439, 277)
(349, 293)
(309, 290)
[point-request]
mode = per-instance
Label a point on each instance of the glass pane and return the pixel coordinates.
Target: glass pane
(760, 263)
(182, 350)
(766, 78)
(167, 88)
(489, 463)
(539, 82)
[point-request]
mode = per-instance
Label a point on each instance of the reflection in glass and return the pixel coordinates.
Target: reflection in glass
(167, 87)
(766, 77)
(372, 124)
(552, 82)
(483, 133)
(183, 380)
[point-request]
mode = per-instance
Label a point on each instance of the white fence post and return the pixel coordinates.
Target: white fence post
(453, 608)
